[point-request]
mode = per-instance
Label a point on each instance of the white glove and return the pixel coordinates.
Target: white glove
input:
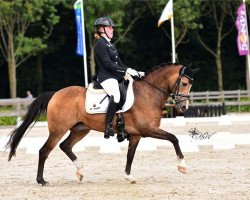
(132, 72)
(141, 74)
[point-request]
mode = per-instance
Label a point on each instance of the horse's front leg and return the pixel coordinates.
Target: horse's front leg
(133, 143)
(161, 134)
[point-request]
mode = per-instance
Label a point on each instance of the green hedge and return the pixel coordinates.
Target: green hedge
(235, 109)
(7, 121)
(4, 121)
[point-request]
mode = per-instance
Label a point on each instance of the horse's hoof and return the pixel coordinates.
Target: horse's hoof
(120, 138)
(43, 182)
(182, 169)
(79, 175)
(130, 178)
(106, 136)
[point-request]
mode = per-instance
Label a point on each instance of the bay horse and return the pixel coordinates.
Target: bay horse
(65, 111)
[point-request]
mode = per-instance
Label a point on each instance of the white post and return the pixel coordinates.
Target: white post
(173, 39)
(84, 47)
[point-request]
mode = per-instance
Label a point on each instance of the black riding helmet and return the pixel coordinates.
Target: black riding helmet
(102, 22)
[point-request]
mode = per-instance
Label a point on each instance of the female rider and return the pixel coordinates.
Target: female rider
(111, 68)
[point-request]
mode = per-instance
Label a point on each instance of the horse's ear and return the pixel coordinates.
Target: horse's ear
(194, 71)
(189, 65)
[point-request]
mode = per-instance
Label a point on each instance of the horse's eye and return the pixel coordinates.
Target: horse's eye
(184, 84)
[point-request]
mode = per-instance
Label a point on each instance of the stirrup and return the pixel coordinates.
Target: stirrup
(121, 136)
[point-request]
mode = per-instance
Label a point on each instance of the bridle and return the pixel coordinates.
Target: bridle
(175, 94)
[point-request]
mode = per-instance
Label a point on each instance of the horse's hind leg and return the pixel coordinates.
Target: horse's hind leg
(67, 145)
(44, 152)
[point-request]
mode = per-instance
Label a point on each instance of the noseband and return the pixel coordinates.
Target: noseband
(175, 89)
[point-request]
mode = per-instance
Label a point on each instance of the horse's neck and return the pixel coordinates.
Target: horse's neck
(161, 78)
(151, 96)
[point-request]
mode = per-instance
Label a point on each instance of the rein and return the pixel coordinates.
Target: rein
(176, 86)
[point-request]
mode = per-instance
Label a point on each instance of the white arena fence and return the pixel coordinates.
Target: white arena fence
(230, 98)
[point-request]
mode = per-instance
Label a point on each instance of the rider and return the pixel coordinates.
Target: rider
(111, 68)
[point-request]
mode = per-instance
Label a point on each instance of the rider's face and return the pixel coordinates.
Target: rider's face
(109, 31)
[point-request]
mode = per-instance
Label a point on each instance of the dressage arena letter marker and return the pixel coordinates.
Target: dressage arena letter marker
(180, 121)
(146, 144)
(223, 140)
(3, 141)
(225, 120)
(187, 144)
(33, 145)
(79, 147)
(110, 146)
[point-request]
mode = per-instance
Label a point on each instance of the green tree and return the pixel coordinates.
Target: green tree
(16, 18)
(216, 23)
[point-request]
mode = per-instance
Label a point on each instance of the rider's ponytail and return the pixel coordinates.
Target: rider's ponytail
(97, 36)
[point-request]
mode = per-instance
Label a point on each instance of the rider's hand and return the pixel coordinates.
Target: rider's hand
(132, 72)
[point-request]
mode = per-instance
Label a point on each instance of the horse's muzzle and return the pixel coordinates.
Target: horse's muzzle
(182, 105)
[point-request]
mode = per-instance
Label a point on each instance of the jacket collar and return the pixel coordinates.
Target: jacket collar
(106, 41)
(106, 38)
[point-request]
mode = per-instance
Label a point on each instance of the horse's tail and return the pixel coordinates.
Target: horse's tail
(37, 108)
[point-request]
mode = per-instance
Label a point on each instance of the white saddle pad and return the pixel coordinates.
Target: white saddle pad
(96, 102)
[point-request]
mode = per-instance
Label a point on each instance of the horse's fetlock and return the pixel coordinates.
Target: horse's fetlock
(62, 146)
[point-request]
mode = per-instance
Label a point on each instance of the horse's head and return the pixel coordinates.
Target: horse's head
(182, 86)
(172, 80)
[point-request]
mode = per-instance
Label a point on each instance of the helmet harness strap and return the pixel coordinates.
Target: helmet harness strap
(104, 32)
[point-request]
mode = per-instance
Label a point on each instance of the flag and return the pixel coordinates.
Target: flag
(241, 24)
(78, 15)
(167, 13)
(81, 45)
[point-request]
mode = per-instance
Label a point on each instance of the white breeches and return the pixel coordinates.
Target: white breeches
(111, 86)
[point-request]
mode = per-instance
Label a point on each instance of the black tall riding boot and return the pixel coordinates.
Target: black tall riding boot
(112, 108)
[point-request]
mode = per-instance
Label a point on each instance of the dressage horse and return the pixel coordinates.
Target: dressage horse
(66, 111)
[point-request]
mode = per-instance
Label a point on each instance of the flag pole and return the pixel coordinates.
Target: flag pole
(173, 39)
(84, 47)
(167, 14)
(247, 65)
(248, 72)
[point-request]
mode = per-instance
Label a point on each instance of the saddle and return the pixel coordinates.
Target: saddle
(123, 86)
(97, 99)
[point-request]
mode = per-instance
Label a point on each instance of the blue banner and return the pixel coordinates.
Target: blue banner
(79, 47)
